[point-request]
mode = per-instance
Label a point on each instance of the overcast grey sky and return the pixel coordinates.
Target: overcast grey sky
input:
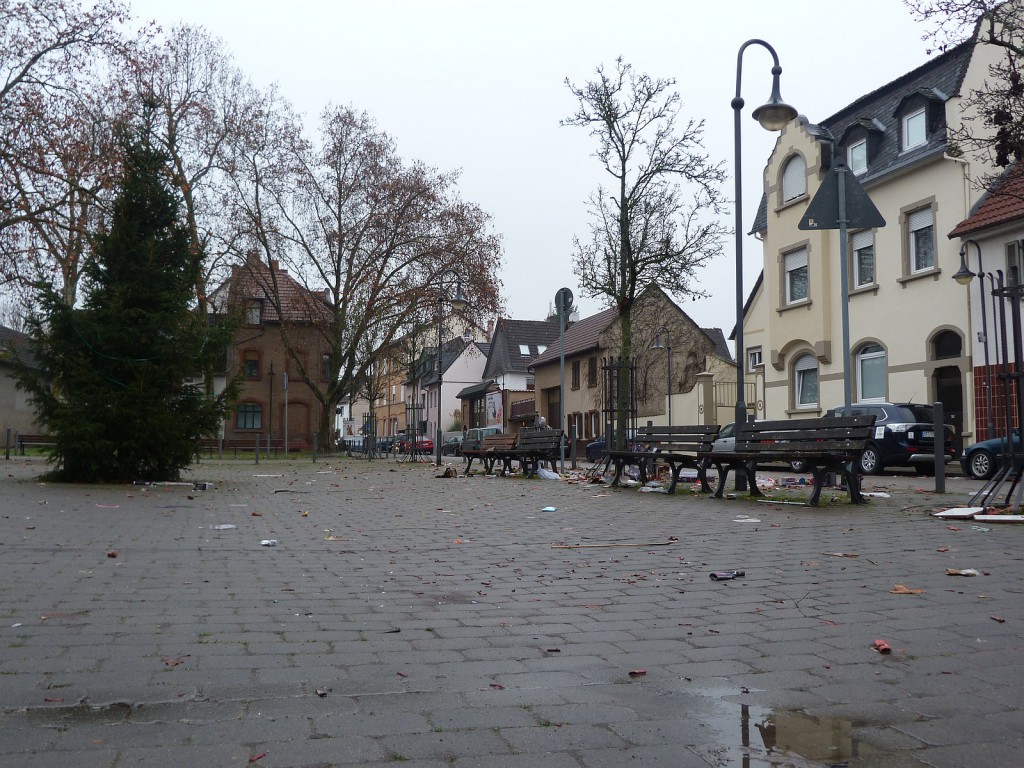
(478, 85)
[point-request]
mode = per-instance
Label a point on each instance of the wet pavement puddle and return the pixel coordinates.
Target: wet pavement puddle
(754, 736)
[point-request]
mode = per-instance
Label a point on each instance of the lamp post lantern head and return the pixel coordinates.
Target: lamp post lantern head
(964, 274)
(775, 114)
(458, 301)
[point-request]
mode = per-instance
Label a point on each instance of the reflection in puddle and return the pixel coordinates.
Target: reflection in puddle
(757, 737)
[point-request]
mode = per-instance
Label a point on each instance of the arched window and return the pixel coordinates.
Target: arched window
(871, 372)
(805, 382)
(794, 178)
(946, 344)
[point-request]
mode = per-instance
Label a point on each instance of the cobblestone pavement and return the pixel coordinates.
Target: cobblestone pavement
(403, 618)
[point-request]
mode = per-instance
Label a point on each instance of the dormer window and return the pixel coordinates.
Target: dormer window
(524, 349)
(857, 157)
(914, 129)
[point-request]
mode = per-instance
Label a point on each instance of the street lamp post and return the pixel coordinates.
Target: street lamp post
(774, 115)
(458, 302)
(964, 277)
(668, 348)
(563, 304)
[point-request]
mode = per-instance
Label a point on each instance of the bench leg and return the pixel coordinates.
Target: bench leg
(619, 466)
(819, 474)
(469, 463)
(852, 483)
(750, 470)
(702, 475)
(723, 478)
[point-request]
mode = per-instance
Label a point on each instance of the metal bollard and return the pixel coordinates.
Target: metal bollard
(939, 446)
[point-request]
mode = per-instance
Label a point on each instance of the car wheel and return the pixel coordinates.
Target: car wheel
(869, 463)
(798, 465)
(981, 464)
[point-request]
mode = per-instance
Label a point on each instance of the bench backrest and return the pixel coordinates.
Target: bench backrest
(540, 440)
(498, 443)
(811, 437)
(692, 438)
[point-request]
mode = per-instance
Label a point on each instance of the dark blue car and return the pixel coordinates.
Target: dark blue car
(981, 460)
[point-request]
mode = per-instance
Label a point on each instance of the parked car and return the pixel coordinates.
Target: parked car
(452, 446)
(726, 442)
(904, 436)
(474, 438)
(596, 448)
(423, 444)
(981, 460)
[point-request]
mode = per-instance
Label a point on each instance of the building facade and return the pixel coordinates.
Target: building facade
(909, 320)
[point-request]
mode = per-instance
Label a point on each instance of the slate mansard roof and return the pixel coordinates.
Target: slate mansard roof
(878, 115)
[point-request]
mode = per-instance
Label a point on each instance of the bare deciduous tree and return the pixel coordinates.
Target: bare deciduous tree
(657, 222)
(367, 231)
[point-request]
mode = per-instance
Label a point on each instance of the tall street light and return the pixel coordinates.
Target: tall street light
(658, 345)
(774, 115)
(563, 304)
(458, 303)
(964, 277)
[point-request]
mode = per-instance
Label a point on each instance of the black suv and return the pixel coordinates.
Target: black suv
(904, 435)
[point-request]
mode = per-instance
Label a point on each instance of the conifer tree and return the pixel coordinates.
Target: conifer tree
(110, 386)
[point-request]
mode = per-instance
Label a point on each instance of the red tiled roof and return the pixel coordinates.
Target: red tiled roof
(1000, 205)
(253, 280)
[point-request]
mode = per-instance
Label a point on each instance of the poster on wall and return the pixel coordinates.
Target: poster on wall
(494, 414)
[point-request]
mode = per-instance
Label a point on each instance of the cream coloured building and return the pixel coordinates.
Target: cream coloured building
(909, 320)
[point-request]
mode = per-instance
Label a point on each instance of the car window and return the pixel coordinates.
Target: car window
(726, 431)
(920, 413)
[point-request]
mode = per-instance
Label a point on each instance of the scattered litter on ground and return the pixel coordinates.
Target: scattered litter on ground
(961, 572)
(653, 489)
(112, 553)
(547, 474)
(224, 527)
(268, 543)
(746, 519)
(550, 509)
(958, 513)
(900, 589)
(841, 554)
(671, 540)
(637, 672)
(202, 486)
(991, 518)
(726, 575)
(980, 528)
(268, 475)
(877, 495)
(173, 661)
(764, 482)
(881, 646)
(448, 472)
(780, 501)
(288, 490)
(1000, 619)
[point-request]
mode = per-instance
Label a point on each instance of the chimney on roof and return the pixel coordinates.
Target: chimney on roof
(490, 329)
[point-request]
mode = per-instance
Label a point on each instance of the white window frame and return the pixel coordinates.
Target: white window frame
(867, 353)
(861, 241)
(792, 263)
(857, 157)
(919, 221)
(794, 179)
(802, 366)
(524, 349)
(910, 121)
(754, 359)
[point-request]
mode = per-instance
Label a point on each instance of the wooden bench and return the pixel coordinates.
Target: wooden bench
(216, 444)
(680, 447)
(33, 440)
(493, 449)
(828, 445)
(536, 446)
